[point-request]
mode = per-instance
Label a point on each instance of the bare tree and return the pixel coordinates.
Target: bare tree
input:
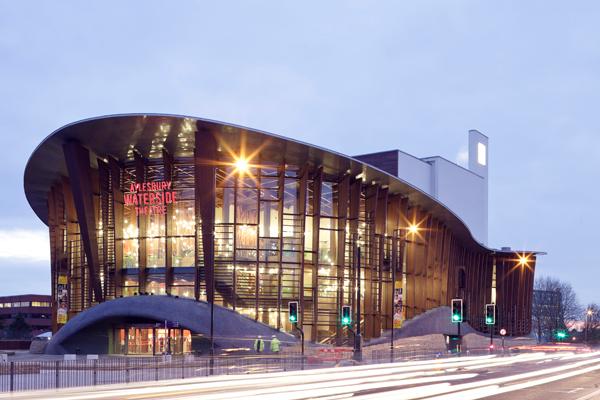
(555, 303)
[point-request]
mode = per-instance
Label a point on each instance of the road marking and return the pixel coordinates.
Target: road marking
(589, 395)
(575, 390)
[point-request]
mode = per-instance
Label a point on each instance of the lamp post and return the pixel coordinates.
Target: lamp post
(588, 316)
(357, 336)
(393, 267)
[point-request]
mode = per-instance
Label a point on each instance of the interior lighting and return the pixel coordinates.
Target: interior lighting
(413, 228)
(523, 260)
(241, 164)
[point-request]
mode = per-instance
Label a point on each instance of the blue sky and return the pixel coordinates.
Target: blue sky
(352, 76)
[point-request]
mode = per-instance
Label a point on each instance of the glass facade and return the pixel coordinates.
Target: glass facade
(172, 211)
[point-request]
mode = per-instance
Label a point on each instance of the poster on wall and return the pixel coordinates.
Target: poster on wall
(398, 308)
(62, 299)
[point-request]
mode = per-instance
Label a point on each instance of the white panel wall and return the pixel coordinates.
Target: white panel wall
(464, 191)
(415, 171)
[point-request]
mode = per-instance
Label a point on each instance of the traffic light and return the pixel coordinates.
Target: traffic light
(293, 309)
(490, 314)
(346, 316)
(457, 310)
(561, 335)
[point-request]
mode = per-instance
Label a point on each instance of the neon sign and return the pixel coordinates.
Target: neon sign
(150, 197)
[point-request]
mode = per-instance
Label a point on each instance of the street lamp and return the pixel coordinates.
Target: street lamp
(588, 316)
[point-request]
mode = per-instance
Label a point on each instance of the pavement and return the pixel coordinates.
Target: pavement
(530, 376)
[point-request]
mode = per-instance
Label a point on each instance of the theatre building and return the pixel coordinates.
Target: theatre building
(154, 217)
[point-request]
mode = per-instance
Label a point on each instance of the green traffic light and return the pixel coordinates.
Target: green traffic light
(561, 335)
(346, 321)
(488, 320)
(292, 318)
(455, 317)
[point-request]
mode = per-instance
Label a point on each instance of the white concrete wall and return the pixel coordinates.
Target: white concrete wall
(415, 171)
(464, 191)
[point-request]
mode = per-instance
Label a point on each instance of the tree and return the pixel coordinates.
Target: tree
(555, 303)
(18, 329)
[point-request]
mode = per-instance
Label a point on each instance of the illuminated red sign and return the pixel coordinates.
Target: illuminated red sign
(150, 197)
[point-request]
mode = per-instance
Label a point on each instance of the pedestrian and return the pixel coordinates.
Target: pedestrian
(275, 345)
(259, 344)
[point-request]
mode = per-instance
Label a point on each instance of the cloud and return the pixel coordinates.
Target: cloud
(24, 245)
(462, 157)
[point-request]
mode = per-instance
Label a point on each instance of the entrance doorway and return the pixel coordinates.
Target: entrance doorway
(147, 339)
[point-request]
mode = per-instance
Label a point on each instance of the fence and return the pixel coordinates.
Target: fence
(38, 375)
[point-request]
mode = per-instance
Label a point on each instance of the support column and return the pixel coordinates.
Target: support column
(342, 213)
(205, 155)
(169, 231)
(302, 191)
(140, 177)
(77, 159)
(317, 186)
(118, 205)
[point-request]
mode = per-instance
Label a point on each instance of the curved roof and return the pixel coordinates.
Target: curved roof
(118, 135)
(231, 328)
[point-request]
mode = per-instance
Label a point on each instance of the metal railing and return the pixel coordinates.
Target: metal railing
(39, 375)
(54, 374)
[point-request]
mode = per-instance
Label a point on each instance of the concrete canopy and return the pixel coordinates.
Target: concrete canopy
(88, 330)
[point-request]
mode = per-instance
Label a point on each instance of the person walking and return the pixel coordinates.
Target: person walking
(275, 345)
(259, 345)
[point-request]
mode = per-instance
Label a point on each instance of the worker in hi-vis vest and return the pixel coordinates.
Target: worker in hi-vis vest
(259, 345)
(275, 344)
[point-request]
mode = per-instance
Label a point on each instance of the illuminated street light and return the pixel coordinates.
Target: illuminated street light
(590, 311)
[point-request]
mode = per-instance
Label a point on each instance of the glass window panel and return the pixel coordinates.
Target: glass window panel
(130, 253)
(290, 196)
(268, 182)
(245, 237)
(130, 285)
(269, 219)
(155, 284)
(183, 218)
(224, 211)
(183, 252)
(185, 194)
(269, 194)
(155, 252)
(327, 199)
(156, 225)
(130, 223)
(247, 206)
(246, 254)
(183, 291)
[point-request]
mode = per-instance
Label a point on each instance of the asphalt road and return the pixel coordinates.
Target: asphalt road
(582, 387)
(557, 376)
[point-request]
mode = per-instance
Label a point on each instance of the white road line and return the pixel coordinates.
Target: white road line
(589, 395)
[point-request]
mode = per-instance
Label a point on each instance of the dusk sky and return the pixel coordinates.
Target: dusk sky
(352, 76)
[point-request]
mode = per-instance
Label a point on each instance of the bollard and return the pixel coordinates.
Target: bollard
(56, 374)
(12, 376)
(95, 371)
(155, 368)
(126, 370)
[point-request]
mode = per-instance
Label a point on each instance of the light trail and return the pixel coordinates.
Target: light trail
(418, 379)
(494, 383)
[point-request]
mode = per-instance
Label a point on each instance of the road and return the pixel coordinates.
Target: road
(556, 376)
